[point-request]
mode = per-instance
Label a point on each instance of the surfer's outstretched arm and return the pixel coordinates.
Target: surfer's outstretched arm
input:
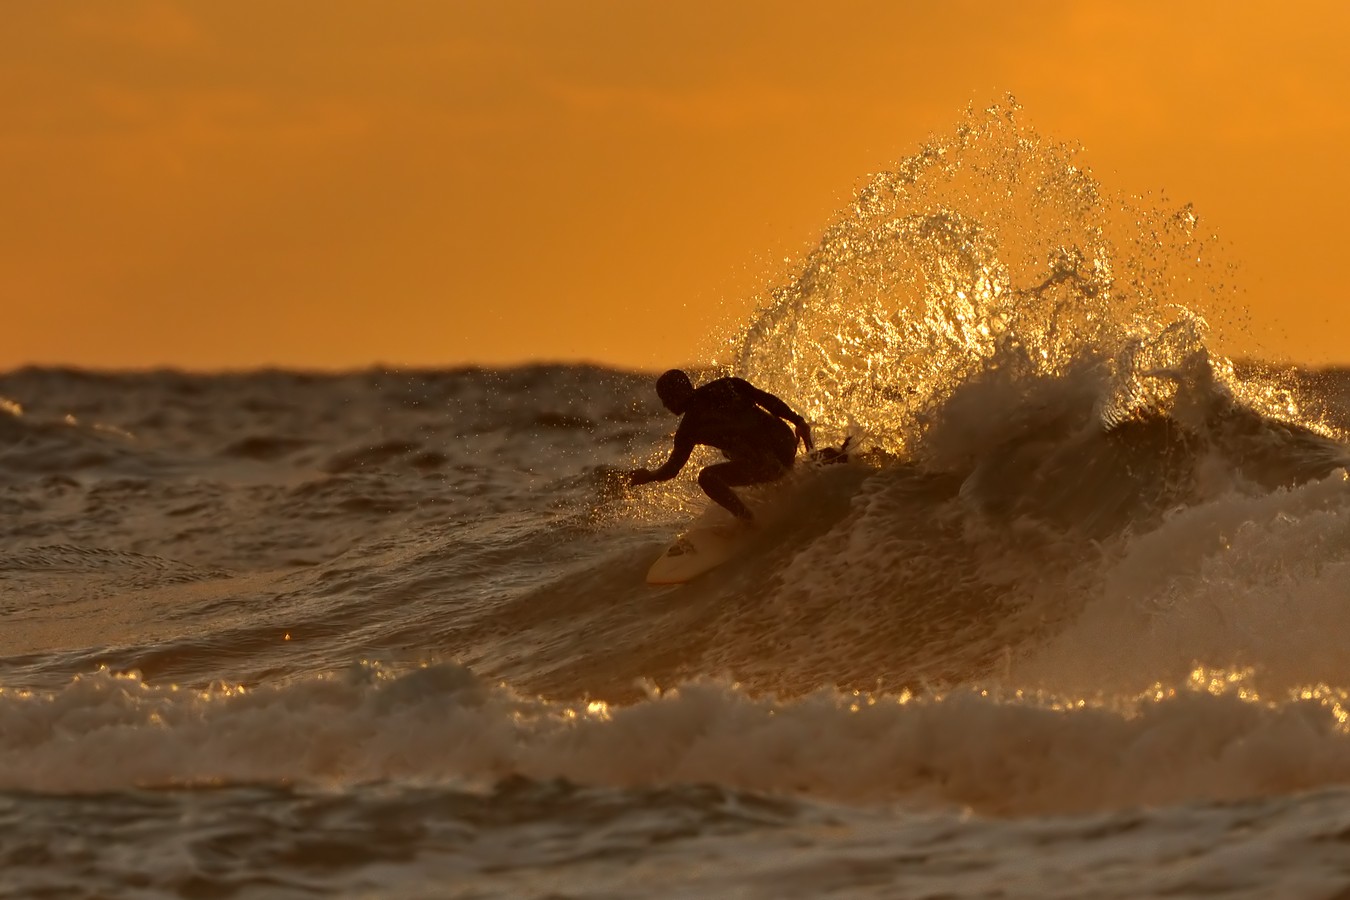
(783, 411)
(678, 457)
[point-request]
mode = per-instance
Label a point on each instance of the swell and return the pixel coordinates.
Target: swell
(957, 562)
(267, 414)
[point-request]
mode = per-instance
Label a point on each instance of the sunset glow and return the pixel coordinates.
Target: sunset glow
(210, 185)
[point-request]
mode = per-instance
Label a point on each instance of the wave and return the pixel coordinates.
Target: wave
(990, 250)
(986, 561)
(1251, 581)
(1011, 754)
(1033, 362)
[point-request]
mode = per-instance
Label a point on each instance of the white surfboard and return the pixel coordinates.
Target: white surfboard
(699, 550)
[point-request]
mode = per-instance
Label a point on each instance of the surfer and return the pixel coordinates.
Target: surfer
(744, 422)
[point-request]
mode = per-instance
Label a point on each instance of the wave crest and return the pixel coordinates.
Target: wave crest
(993, 249)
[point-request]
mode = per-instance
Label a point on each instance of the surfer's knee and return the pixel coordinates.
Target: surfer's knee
(772, 469)
(710, 480)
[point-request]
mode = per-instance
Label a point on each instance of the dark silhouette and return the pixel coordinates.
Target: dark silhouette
(739, 419)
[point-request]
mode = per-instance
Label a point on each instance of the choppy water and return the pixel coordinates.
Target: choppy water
(1073, 624)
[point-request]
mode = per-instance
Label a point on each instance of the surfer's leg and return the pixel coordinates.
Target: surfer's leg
(717, 482)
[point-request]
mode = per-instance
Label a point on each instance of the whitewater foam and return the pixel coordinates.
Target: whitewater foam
(1010, 754)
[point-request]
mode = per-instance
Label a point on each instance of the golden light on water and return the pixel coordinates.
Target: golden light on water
(1215, 681)
(1223, 681)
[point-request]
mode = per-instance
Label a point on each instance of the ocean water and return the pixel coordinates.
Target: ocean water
(1071, 623)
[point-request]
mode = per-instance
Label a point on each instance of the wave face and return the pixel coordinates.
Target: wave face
(1080, 589)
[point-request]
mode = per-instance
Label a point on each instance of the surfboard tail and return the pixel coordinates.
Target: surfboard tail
(829, 455)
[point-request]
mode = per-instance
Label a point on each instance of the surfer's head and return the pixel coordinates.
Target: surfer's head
(674, 388)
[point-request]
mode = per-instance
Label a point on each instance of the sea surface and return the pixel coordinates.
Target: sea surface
(1071, 622)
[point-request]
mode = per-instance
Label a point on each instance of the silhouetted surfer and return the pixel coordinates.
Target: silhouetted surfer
(739, 419)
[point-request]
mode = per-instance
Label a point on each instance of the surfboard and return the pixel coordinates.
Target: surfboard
(703, 548)
(698, 550)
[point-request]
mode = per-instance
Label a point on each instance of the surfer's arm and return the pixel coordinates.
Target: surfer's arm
(678, 457)
(782, 411)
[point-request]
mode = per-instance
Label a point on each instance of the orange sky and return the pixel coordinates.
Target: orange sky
(231, 184)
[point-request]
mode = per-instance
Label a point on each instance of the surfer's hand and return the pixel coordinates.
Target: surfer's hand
(804, 435)
(640, 476)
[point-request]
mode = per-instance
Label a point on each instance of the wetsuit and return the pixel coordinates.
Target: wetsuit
(747, 425)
